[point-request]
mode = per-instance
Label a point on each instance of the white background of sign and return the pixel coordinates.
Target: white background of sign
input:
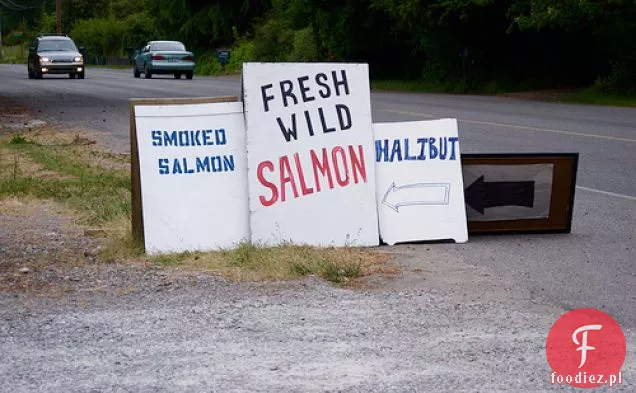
(541, 174)
(428, 194)
(333, 217)
(199, 211)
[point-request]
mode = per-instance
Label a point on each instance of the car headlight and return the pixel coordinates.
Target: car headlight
(78, 59)
(44, 60)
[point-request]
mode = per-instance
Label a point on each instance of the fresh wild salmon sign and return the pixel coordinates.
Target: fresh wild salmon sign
(310, 153)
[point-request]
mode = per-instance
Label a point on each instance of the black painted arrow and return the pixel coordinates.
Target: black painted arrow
(481, 195)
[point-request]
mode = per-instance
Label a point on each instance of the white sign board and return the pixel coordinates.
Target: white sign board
(193, 176)
(310, 154)
(419, 181)
(508, 192)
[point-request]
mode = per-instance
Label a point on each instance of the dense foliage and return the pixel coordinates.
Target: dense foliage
(478, 44)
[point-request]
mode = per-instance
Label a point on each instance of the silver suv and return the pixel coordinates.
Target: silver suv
(55, 54)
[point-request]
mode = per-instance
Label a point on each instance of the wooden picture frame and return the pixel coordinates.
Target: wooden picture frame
(137, 217)
(561, 194)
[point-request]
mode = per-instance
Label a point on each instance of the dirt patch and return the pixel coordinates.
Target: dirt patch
(14, 116)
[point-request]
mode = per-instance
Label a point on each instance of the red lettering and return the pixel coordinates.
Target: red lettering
(323, 167)
(301, 176)
(357, 162)
(259, 173)
(286, 177)
(342, 181)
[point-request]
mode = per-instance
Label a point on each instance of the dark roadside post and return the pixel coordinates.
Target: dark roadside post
(465, 72)
(58, 16)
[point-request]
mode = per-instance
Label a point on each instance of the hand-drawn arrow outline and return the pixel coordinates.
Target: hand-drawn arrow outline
(393, 188)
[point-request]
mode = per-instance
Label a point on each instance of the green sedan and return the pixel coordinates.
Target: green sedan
(164, 57)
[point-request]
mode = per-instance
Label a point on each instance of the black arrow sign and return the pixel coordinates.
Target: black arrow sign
(481, 195)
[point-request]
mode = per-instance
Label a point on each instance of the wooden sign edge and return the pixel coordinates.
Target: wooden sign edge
(137, 218)
(574, 160)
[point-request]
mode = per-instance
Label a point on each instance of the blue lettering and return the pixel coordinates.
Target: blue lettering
(164, 168)
(170, 139)
(382, 149)
(443, 148)
(453, 140)
(432, 149)
(396, 151)
(189, 137)
(189, 165)
(156, 138)
(220, 136)
(194, 136)
(185, 166)
(228, 163)
(406, 151)
(216, 164)
(182, 141)
(422, 142)
(176, 168)
(203, 164)
(207, 139)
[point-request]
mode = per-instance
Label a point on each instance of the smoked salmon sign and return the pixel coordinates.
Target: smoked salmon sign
(310, 154)
(189, 171)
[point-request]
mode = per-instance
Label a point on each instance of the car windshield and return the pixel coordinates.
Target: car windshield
(168, 46)
(56, 45)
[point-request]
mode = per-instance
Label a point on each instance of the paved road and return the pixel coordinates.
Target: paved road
(594, 266)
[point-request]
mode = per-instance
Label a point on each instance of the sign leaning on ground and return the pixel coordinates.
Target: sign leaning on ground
(310, 154)
(189, 174)
(419, 181)
(519, 193)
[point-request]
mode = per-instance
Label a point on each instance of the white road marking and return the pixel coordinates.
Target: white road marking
(548, 130)
(610, 137)
(614, 194)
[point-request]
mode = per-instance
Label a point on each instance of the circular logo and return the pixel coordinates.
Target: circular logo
(585, 348)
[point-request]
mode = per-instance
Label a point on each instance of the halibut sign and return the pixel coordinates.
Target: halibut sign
(310, 154)
(419, 181)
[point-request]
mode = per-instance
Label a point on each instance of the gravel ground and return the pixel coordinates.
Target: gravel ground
(71, 324)
(133, 328)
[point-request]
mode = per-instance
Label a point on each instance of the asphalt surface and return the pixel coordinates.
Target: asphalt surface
(594, 266)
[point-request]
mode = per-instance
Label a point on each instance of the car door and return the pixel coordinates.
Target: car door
(141, 58)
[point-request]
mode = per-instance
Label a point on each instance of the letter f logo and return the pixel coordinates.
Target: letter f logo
(583, 346)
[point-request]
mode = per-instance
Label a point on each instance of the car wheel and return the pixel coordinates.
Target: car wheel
(189, 75)
(71, 76)
(31, 76)
(147, 73)
(177, 76)
(80, 75)
(38, 74)
(136, 72)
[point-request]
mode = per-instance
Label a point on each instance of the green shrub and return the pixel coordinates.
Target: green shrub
(207, 64)
(242, 51)
(304, 46)
(274, 40)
